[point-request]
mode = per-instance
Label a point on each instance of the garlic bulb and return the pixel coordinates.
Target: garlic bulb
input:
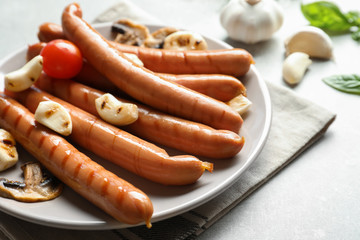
(251, 21)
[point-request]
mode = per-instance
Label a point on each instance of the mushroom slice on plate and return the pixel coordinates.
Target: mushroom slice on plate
(157, 38)
(37, 186)
(129, 32)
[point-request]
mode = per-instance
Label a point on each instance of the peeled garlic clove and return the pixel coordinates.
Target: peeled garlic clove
(310, 40)
(54, 116)
(185, 40)
(294, 67)
(134, 58)
(24, 77)
(114, 111)
(240, 104)
(8, 153)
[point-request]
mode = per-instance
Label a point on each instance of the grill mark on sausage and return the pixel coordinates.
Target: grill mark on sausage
(65, 159)
(85, 95)
(90, 178)
(52, 151)
(29, 130)
(41, 141)
(17, 120)
(5, 110)
(77, 170)
(104, 187)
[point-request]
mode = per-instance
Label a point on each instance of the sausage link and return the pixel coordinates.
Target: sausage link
(50, 31)
(235, 62)
(218, 86)
(34, 49)
(187, 136)
(112, 194)
(141, 83)
(118, 146)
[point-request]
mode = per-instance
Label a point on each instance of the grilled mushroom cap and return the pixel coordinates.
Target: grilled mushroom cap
(37, 186)
(157, 38)
(129, 32)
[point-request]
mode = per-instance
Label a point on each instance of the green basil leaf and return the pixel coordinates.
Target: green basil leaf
(349, 83)
(356, 35)
(353, 18)
(326, 15)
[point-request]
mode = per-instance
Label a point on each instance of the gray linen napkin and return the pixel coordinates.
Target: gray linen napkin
(292, 116)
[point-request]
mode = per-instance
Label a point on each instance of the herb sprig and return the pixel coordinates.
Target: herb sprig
(328, 16)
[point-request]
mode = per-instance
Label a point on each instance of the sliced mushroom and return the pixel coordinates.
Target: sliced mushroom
(157, 38)
(185, 40)
(129, 32)
(38, 185)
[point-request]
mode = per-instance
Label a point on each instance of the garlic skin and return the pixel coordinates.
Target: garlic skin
(294, 67)
(251, 21)
(310, 40)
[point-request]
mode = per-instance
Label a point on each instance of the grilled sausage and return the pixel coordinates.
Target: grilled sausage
(141, 83)
(113, 144)
(187, 136)
(112, 194)
(235, 62)
(219, 86)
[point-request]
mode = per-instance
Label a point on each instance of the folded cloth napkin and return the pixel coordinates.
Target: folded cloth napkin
(292, 116)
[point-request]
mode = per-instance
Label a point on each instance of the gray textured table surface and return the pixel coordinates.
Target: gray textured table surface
(317, 196)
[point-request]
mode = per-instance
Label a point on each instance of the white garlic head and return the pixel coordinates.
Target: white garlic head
(251, 21)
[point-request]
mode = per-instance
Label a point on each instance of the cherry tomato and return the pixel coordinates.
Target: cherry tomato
(61, 59)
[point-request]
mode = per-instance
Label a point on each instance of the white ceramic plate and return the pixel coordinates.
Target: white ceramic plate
(73, 212)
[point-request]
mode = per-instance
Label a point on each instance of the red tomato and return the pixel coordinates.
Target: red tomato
(61, 59)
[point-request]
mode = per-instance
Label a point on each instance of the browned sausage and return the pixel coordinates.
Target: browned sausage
(190, 137)
(34, 49)
(141, 83)
(50, 31)
(112, 194)
(234, 62)
(113, 144)
(218, 86)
